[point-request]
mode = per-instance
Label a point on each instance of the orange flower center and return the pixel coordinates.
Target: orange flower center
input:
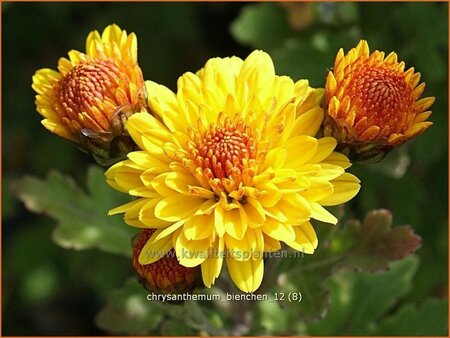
(382, 96)
(226, 154)
(223, 150)
(85, 85)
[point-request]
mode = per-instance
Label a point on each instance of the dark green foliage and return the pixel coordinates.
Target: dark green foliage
(82, 218)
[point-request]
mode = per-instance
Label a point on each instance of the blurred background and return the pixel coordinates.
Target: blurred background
(49, 290)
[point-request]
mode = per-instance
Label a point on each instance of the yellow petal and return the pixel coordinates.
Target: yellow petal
(362, 48)
(127, 206)
(329, 172)
(148, 132)
(235, 223)
(180, 181)
(247, 275)
(305, 239)
(254, 212)
(301, 88)
(275, 158)
(279, 94)
(154, 250)
(199, 227)
(147, 215)
(277, 230)
(296, 208)
(422, 117)
(158, 183)
(58, 129)
(64, 66)
(90, 43)
(219, 215)
(321, 214)
(176, 207)
(212, 265)
(130, 52)
(163, 102)
(257, 71)
(145, 160)
(271, 244)
(270, 195)
(424, 103)
(276, 213)
(325, 147)
(112, 33)
(308, 123)
(207, 208)
(169, 230)
(125, 175)
(76, 57)
(417, 128)
(331, 82)
(300, 150)
(191, 253)
(345, 188)
(251, 246)
(318, 190)
(240, 249)
(338, 159)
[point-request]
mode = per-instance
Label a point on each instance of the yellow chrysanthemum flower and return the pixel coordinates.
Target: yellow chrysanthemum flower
(230, 168)
(90, 95)
(372, 103)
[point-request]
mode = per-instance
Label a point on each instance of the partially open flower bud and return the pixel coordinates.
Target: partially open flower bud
(89, 98)
(166, 275)
(372, 104)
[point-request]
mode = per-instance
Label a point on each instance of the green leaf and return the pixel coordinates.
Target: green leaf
(176, 328)
(82, 217)
(300, 59)
(273, 318)
(261, 26)
(334, 13)
(369, 247)
(197, 318)
(129, 312)
(9, 202)
(431, 319)
(379, 244)
(310, 56)
(358, 300)
(309, 280)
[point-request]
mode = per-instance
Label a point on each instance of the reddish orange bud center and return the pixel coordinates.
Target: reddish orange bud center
(382, 96)
(165, 275)
(86, 86)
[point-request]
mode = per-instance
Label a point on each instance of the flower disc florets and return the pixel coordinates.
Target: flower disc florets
(225, 152)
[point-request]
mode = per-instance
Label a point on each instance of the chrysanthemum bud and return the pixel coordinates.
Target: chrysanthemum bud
(372, 104)
(165, 275)
(89, 98)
